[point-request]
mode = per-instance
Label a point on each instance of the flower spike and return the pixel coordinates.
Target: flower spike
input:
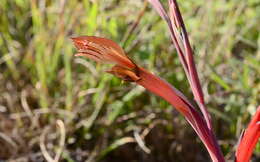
(105, 50)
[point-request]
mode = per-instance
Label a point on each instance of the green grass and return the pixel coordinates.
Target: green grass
(41, 81)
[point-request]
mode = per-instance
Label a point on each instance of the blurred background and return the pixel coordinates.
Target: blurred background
(56, 106)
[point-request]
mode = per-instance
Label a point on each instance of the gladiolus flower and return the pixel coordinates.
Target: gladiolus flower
(105, 50)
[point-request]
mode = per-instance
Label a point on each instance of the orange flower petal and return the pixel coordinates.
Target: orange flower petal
(105, 49)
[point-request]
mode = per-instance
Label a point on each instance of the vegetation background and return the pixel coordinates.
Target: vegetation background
(51, 102)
